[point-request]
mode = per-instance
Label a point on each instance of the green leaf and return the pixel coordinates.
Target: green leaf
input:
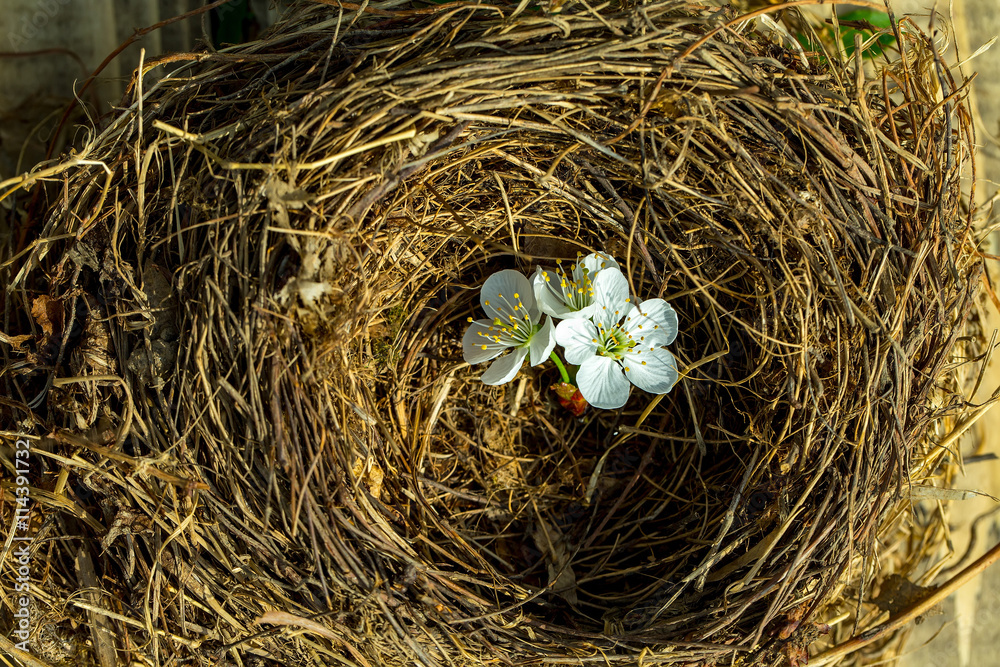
(865, 22)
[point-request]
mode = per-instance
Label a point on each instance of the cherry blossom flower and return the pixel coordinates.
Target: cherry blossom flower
(621, 345)
(571, 295)
(509, 301)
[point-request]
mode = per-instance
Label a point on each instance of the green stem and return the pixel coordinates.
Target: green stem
(559, 364)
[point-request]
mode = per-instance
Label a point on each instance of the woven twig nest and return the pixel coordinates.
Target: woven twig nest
(243, 306)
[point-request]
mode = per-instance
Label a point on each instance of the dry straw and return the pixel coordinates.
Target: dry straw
(234, 315)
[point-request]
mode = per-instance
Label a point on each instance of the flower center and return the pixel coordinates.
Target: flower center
(513, 326)
(575, 289)
(614, 343)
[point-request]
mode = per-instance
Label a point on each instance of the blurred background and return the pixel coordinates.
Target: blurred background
(49, 48)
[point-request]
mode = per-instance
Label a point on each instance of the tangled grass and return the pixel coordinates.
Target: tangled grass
(235, 331)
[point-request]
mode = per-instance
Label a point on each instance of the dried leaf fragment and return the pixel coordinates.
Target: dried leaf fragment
(558, 553)
(48, 313)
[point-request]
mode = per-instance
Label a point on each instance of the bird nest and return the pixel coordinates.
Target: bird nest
(233, 334)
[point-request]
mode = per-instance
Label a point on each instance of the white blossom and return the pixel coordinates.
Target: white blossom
(513, 325)
(571, 295)
(621, 345)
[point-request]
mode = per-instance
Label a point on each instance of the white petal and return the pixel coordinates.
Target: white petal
(654, 314)
(596, 261)
(534, 314)
(647, 333)
(611, 288)
(649, 342)
(579, 338)
(499, 290)
(476, 336)
(611, 297)
(584, 313)
(655, 371)
(550, 302)
(602, 383)
(506, 367)
(542, 342)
